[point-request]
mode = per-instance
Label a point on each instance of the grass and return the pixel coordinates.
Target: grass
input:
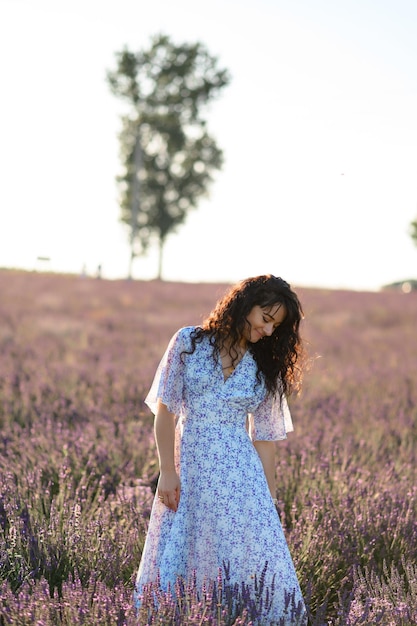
(77, 456)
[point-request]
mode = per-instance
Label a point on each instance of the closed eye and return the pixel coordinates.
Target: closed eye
(267, 322)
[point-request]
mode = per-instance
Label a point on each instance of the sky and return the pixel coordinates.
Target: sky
(318, 128)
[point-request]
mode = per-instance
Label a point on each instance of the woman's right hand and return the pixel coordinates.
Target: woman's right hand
(169, 488)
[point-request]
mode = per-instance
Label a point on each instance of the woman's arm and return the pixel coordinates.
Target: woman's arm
(169, 482)
(266, 451)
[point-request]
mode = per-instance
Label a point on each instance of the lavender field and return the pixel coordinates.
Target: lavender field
(78, 463)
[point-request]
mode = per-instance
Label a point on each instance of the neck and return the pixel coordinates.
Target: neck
(242, 344)
(239, 347)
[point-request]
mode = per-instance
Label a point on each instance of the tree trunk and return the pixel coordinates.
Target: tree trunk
(160, 255)
(132, 256)
(135, 203)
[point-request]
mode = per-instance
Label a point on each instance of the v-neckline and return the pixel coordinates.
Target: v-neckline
(234, 370)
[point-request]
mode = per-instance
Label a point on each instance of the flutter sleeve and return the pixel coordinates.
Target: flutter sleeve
(168, 382)
(271, 420)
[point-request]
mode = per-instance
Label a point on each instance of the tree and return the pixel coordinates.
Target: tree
(168, 158)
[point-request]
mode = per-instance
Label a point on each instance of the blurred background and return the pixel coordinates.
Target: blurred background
(318, 128)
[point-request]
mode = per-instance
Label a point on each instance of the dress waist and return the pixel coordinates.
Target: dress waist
(206, 423)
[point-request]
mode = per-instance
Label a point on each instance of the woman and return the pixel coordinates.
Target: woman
(219, 399)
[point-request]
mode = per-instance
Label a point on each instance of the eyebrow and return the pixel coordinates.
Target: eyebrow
(277, 308)
(271, 317)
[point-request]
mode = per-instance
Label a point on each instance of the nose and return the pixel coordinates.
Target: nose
(269, 329)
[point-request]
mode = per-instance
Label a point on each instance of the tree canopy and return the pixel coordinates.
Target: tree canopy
(168, 157)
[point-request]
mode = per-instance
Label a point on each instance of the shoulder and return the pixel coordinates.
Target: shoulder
(186, 331)
(193, 339)
(183, 336)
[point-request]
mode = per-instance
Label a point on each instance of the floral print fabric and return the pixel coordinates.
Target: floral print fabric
(226, 513)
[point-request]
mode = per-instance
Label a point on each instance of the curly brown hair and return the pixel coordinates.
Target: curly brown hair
(277, 356)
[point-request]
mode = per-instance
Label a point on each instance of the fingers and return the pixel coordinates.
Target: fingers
(169, 487)
(172, 502)
(170, 499)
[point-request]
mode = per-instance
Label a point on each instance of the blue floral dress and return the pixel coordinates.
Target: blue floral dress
(226, 513)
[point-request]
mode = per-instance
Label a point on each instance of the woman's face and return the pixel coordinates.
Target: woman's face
(263, 321)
